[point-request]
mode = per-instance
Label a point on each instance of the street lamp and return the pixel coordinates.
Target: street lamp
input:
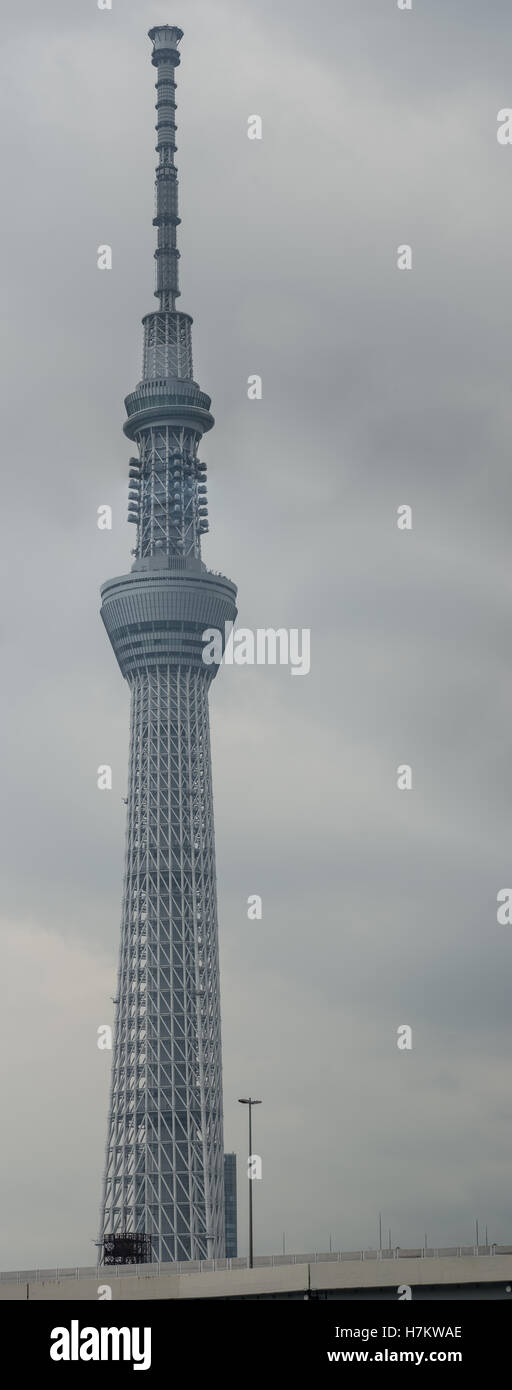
(250, 1102)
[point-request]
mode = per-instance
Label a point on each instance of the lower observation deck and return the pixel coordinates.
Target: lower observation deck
(156, 615)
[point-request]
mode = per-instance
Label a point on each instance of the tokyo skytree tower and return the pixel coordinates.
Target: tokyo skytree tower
(164, 1161)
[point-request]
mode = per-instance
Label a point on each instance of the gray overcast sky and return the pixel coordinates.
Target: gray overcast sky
(380, 388)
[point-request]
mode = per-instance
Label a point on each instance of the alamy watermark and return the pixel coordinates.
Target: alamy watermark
(263, 646)
(102, 1344)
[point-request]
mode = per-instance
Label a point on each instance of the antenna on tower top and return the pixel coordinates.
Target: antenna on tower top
(166, 57)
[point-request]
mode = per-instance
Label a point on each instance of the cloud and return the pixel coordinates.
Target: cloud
(379, 388)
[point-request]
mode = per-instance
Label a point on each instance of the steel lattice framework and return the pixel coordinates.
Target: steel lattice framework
(164, 1162)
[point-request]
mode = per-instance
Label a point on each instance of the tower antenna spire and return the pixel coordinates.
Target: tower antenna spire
(166, 58)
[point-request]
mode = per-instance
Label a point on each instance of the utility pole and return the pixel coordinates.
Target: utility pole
(250, 1102)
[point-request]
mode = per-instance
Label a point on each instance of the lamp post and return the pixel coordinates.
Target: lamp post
(250, 1102)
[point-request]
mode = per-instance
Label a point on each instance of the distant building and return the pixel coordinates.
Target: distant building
(230, 1205)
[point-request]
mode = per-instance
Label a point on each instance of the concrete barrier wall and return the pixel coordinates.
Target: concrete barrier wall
(278, 1279)
(366, 1274)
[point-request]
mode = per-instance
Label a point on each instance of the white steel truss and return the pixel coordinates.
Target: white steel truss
(170, 515)
(164, 1168)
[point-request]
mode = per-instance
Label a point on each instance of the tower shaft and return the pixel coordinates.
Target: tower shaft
(164, 1170)
(164, 1160)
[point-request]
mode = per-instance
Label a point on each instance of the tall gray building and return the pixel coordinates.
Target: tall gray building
(164, 1161)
